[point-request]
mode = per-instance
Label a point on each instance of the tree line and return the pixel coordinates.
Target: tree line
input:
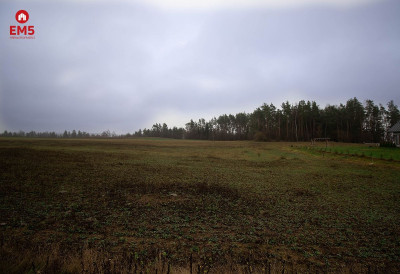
(302, 121)
(66, 134)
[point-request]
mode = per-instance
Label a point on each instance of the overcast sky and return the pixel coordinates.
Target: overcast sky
(124, 65)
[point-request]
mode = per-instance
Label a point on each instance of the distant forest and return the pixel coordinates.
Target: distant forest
(302, 121)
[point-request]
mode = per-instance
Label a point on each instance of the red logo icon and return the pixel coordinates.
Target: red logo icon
(22, 32)
(22, 16)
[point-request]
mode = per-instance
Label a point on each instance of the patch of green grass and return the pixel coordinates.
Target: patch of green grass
(359, 150)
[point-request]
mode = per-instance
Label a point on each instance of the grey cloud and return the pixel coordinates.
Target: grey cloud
(123, 67)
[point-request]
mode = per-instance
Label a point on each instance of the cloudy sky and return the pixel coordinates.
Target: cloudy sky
(124, 65)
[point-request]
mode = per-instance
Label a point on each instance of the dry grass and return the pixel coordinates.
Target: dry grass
(123, 206)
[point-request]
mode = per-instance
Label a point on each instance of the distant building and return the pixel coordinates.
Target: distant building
(395, 131)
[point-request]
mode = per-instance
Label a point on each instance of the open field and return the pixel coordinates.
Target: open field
(175, 206)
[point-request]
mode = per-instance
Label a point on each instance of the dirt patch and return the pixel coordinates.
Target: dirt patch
(161, 199)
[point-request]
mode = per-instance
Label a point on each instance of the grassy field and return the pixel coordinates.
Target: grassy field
(358, 150)
(180, 206)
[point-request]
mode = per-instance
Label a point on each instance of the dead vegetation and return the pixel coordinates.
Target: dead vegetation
(139, 206)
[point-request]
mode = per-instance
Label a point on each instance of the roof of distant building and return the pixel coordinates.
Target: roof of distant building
(395, 127)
